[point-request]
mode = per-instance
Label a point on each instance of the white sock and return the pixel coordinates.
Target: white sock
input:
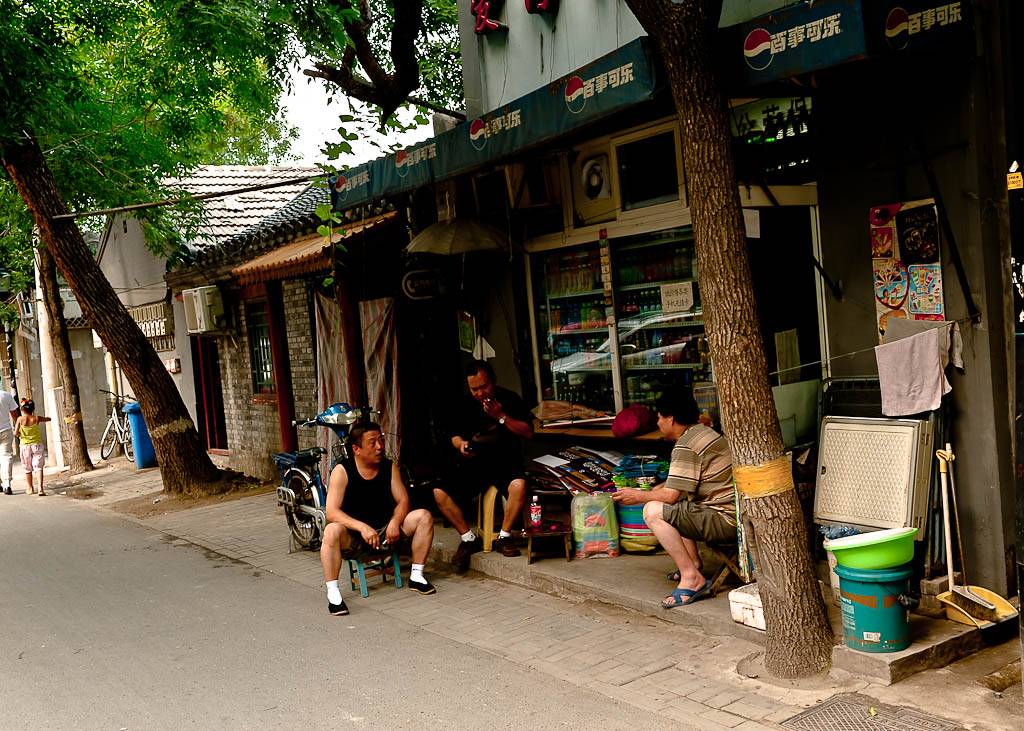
(333, 592)
(504, 534)
(469, 536)
(416, 574)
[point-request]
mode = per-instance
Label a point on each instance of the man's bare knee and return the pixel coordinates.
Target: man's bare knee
(516, 487)
(335, 533)
(654, 511)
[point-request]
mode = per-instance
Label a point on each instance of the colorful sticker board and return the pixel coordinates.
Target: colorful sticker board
(906, 267)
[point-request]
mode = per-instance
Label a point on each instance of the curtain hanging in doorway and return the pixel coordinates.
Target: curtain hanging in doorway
(332, 368)
(380, 353)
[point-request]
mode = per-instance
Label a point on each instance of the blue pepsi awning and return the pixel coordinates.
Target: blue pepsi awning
(603, 87)
(811, 36)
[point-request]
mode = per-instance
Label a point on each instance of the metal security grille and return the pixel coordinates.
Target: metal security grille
(869, 472)
(854, 713)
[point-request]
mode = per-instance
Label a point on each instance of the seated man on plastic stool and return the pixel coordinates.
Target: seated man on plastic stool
(488, 425)
(701, 473)
(368, 510)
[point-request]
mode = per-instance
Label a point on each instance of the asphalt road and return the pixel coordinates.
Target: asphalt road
(104, 624)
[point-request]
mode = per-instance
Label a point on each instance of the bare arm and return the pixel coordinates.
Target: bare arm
(43, 418)
(17, 426)
(633, 496)
(399, 493)
(15, 415)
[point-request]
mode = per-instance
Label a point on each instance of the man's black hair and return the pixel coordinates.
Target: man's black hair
(355, 437)
(679, 404)
(480, 366)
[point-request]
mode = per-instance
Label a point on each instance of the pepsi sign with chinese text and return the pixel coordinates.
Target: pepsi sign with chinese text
(608, 85)
(799, 39)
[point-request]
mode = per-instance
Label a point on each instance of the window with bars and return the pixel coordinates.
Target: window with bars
(261, 358)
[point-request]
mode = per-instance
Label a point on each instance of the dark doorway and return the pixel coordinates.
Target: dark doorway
(209, 394)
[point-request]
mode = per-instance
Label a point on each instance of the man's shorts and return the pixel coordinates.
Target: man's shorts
(699, 523)
(468, 480)
(33, 457)
(359, 547)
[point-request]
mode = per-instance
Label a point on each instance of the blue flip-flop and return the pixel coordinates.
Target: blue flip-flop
(688, 594)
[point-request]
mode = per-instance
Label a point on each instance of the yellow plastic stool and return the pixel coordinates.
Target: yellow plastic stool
(485, 517)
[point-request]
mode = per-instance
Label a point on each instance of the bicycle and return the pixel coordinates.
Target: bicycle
(302, 492)
(118, 429)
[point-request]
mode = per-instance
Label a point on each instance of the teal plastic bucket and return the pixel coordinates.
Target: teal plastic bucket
(874, 618)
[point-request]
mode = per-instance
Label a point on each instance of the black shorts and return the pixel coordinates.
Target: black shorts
(469, 479)
(359, 547)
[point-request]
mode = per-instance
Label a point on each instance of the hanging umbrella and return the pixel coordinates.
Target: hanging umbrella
(459, 236)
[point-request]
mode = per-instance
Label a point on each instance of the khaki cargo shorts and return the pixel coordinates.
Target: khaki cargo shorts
(699, 523)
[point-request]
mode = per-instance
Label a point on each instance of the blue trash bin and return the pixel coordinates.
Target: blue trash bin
(145, 455)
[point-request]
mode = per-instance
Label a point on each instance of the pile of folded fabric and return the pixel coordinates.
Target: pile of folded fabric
(640, 471)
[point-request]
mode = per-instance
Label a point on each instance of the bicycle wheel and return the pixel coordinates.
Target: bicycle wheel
(129, 448)
(302, 526)
(108, 441)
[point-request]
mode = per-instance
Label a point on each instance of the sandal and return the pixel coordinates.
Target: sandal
(688, 594)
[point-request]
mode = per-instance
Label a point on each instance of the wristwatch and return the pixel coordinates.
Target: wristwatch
(502, 420)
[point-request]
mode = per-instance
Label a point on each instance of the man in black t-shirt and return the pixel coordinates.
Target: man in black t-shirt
(368, 510)
(487, 427)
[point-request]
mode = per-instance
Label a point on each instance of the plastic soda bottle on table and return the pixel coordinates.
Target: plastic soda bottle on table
(535, 513)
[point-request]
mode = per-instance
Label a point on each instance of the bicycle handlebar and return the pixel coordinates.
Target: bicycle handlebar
(117, 396)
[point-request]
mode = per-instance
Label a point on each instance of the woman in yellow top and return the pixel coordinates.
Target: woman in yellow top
(32, 454)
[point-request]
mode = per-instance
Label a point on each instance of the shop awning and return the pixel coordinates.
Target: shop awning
(608, 85)
(812, 36)
(307, 255)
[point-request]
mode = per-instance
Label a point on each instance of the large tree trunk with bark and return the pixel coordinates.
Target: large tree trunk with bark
(799, 637)
(78, 452)
(184, 464)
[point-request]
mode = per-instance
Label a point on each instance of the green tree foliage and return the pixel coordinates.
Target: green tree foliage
(124, 95)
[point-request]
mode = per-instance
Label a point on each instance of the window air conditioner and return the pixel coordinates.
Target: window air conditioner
(204, 310)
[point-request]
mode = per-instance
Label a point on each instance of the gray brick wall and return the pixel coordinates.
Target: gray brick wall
(301, 345)
(252, 426)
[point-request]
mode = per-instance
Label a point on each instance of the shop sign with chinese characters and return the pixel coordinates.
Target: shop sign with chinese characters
(605, 86)
(800, 39)
(486, 13)
(677, 297)
(908, 25)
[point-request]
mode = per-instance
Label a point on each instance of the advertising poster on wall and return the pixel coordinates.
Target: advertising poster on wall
(905, 262)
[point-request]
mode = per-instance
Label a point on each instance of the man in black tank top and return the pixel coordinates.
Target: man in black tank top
(368, 510)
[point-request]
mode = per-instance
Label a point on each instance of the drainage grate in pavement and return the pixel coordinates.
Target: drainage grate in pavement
(853, 713)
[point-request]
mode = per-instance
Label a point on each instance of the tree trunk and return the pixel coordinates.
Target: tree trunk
(184, 464)
(799, 637)
(78, 453)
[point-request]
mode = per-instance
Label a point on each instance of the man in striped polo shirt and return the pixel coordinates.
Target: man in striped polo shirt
(696, 502)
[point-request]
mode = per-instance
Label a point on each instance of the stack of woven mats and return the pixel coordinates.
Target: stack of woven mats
(641, 472)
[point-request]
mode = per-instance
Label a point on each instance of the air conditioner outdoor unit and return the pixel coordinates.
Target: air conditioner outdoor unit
(873, 473)
(204, 310)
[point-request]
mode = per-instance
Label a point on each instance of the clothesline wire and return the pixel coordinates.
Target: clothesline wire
(947, 323)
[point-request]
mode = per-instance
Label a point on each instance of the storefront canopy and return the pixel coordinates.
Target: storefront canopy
(811, 36)
(608, 85)
(307, 255)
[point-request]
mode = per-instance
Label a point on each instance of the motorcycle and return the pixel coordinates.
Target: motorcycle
(302, 491)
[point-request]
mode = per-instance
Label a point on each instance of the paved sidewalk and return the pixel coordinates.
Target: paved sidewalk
(684, 673)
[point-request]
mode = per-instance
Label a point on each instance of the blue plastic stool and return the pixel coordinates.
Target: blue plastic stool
(373, 564)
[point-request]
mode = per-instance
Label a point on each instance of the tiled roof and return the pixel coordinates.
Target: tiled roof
(305, 255)
(233, 214)
(297, 217)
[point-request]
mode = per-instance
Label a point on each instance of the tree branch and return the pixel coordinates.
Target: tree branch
(387, 91)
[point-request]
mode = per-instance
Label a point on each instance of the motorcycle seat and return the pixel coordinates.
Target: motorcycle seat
(302, 457)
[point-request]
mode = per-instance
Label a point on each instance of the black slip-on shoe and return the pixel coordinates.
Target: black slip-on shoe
(506, 547)
(337, 609)
(422, 587)
(465, 550)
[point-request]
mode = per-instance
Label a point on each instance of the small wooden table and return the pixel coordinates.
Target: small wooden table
(565, 532)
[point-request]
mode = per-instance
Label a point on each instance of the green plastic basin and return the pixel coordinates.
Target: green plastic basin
(883, 549)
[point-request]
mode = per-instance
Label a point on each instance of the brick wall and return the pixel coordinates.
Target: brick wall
(252, 426)
(301, 346)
